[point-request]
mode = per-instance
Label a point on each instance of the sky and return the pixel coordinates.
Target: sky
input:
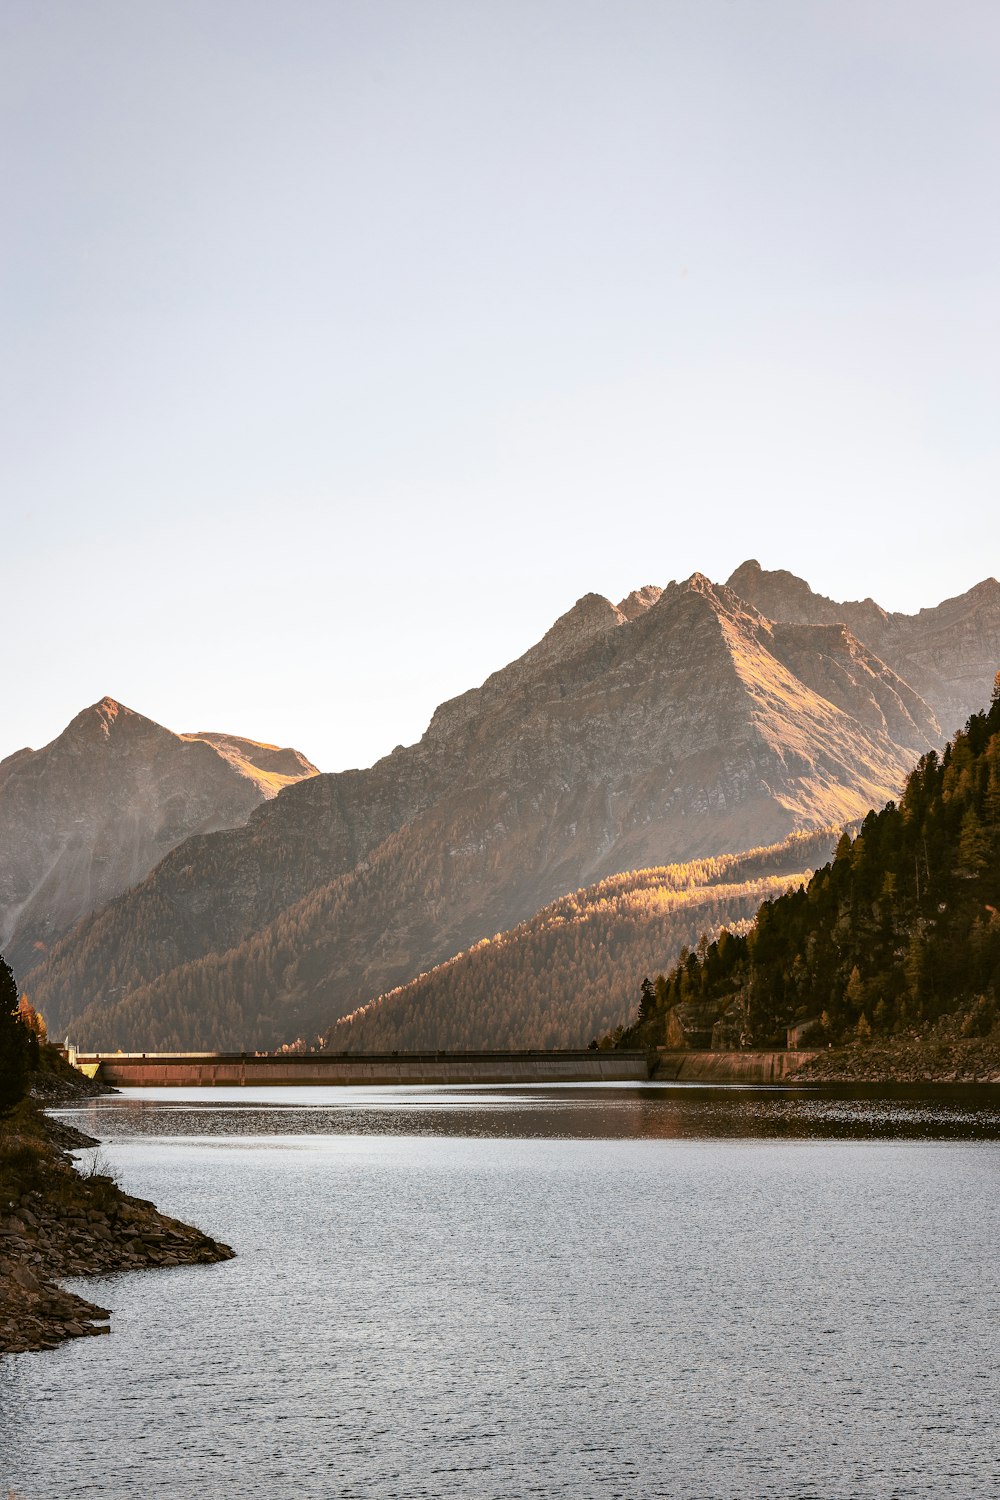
(344, 345)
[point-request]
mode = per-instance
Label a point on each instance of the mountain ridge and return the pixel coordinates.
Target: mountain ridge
(689, 726)
(89, 814)
(963, 630)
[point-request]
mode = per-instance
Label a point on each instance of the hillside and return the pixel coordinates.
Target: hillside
(568, 974)
(947, 654)
(898, 937)
(90, 814)
(678, 725)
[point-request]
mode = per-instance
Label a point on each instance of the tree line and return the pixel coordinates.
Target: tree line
(566, 975)
(900, 929)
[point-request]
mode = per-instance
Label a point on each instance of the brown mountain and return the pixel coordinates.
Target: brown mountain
(947, 654)
(91, 814)
(675, 726)
(571, 972)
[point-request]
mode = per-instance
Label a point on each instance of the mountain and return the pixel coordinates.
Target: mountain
(677, 725)
(90, 815)
(898, 937)
(947, 654)
(568, 973)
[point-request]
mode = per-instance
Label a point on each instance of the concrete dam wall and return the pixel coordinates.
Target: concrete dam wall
(727, 1067)
(195, 1069)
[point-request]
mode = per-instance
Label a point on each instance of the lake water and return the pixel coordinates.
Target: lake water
(557, 1292)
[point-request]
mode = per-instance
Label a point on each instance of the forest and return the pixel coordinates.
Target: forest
(566, 975)
(899, 930)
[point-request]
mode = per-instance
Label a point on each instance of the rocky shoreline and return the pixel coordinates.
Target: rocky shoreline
(942, 1057)
(56, 1222)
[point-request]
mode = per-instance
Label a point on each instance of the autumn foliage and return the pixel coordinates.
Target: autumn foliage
(568, 974)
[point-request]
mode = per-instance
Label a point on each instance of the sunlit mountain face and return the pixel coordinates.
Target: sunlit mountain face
(680, 724)
(89, 815)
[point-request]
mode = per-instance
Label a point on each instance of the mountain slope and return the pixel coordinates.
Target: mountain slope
(898, 934)
(89, 815)
(568, 973)
(675, 726)
(947, 654)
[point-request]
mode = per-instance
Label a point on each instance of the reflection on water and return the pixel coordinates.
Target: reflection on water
(560, 1112)
(577, 1293)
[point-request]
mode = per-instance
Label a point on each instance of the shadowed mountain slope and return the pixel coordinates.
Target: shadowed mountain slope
(89, 815)
(568, 973)
(678, 725)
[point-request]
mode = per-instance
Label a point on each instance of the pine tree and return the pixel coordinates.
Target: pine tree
(902, 928)
(973, 843)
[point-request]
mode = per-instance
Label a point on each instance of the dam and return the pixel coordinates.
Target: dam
(229, 1069)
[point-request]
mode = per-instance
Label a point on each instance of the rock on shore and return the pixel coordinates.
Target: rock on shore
(56, 1222)
(942, 1057)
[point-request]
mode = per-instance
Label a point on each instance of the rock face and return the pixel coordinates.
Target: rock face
(91, 814)
(677, 725)
(948, 654)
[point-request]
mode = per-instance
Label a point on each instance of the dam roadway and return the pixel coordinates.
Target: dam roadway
(229, 1069)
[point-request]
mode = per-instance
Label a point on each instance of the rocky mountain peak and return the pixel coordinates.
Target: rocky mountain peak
(947, 654)
(717, 598)
(103, 718)
(984, 596)
(590, 618)
(93, 811)
(587, 621)
(698, 720)
(591, 615)
(785, 597)
(637, 603)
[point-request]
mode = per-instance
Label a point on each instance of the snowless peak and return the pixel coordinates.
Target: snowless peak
(988, 589)
(746, 570)
(589, 612)
(102, 717)
(637, 603)
(784, 596)
(589, 605)
(696, 584)
(591, 616)
(108, 711)
(751, 573)
(93, 811)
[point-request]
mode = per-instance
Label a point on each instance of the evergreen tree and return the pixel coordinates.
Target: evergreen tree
(973, 843)
(901, 929)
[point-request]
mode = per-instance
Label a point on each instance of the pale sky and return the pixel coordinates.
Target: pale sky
(344, 345)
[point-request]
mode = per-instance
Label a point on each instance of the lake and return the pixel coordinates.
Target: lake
(553, 1291)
